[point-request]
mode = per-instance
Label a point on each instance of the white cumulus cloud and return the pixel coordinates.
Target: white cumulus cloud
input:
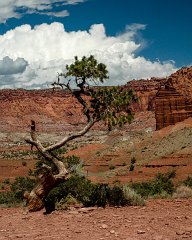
(48, 48)
(18, 8)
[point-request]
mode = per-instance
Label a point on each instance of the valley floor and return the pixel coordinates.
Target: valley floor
(158, 220)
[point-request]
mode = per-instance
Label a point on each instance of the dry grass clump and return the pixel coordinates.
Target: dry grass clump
(132, 197)
(183, 192)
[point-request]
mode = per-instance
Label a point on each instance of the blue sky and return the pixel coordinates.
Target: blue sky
(135, 39)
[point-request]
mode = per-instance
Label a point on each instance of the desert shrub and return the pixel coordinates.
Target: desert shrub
(7, 199)
(67, 202)
(116, 196)
(183, 192)
(72, 161)
(100, 195)
(111, 167)
(2, 186)
(6, 181)
(132, 164)
(20, 185)
(133, 198)
(77, 186)
(17, 189)
(188, 181)
(123, 195)
(91, 194)
(161, 185)
(24, 163)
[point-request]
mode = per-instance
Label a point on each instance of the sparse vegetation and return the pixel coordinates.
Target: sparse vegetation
(132, 164)
(6, 181)
(188, 181)
(183, 192)
(17, 189)
(162, 185)
(111, 167)
(24, 163)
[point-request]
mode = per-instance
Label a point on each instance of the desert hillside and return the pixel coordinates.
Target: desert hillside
(57, 113)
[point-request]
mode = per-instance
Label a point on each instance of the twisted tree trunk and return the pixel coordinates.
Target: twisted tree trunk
(47, 180)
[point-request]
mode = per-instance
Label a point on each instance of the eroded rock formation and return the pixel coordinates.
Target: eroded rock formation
(171, 107)
(173, 101)
(57, 110)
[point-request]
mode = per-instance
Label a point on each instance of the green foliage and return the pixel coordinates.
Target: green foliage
(90, 194)
(86, 69)
(160, 185)
(18, 187)
(78, 186)
(188, 181)
(67, 202)
(111, 105)
(6, 181)
(72, 161)
(116, 196)
(7, 198)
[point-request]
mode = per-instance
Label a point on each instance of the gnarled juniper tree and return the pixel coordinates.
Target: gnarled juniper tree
(108, 104)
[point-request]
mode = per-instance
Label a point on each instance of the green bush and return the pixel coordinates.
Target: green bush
(116, 196)
(18, 187)
(78, 186)
(162, 184)
(64, 204)
(6, 181)
(8, 198)
(90, 194)
(188, 181)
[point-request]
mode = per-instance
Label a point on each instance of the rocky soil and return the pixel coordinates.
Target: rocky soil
(158, 220)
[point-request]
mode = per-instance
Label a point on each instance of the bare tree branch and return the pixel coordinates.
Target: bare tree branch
(70, 137)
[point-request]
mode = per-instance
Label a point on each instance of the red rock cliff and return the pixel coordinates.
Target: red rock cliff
(58, 110)
(174, 99)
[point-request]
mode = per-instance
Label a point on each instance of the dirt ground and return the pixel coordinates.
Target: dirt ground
(158, 220)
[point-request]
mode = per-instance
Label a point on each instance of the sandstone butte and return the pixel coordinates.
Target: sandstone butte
(169, 98)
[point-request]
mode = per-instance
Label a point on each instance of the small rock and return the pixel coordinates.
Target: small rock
(86, 210)
(104, 226)
(141, 231)
(180, 232)
(112, 231)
